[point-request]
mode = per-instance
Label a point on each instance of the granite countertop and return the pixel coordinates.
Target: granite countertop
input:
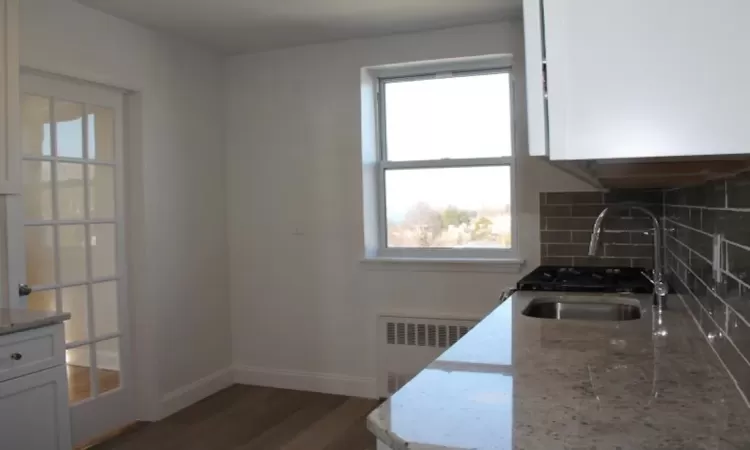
(515, 382)
(15, 320)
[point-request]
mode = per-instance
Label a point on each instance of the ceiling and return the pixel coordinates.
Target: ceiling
(238, 26)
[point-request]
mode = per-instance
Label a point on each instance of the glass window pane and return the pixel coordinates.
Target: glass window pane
(36, 138)
(108, 364)
(102, 191)
(105, 308)
(467, 207)
(41, 301)
(69, 129)
(101, 132)
(72, 253)
(103, 250)
(79, 373)
(40, 255)
(459, 117)
(74, 301)
(70, 200)
(37, 190)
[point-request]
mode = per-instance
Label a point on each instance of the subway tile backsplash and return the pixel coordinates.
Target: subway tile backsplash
(720, 303)
(567, 219)
(691, 216)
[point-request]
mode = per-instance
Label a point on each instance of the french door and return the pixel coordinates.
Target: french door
(71, 223)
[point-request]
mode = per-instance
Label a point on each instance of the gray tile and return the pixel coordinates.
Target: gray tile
(738, 191)
(567, 249)
(581, 237)
(569, 198)
(718, 339)
(680, 197)
(572, 223)
(587, 210)
(703, 269)
(556, 261)
(628, 250)
(562, 237)
(616, 238)
(716, 194)
(672, 196)
(692, 303)
(715, 308)
(738, 261)
(710, 219)
(643, 263)
(735, 295)
(695, 195)
(697, 241)
(555, 210)
(601, 262)
(671, 212)
(695, 217)
(683, 215)
(628, 223)
(633, 195)
(641, 238)
(735, 225)
(584, 237)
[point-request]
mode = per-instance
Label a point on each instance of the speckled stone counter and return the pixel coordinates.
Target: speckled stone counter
(15, 320)
(516, 382)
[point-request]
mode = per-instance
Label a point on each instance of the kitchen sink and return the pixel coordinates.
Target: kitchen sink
(583, 308)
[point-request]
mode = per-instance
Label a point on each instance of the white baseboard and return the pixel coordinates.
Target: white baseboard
(329, 383)
(194, 392)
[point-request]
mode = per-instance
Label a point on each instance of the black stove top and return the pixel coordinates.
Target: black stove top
(586, 279)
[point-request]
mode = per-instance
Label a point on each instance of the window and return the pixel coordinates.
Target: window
(445, 165)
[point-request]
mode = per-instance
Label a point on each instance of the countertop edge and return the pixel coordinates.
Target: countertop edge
(33, 324)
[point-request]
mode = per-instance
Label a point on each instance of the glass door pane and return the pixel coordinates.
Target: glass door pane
(70, 208)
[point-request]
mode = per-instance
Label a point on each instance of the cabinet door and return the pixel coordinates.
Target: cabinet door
(10, 115)
(647, 78)
(34, 411)
(536, 103)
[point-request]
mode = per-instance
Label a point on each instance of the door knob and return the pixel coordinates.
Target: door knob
(23, 290)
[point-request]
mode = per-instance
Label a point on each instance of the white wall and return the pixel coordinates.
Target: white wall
(303, 305)
(177, 245)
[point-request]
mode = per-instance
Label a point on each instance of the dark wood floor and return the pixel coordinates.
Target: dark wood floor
(250, 417)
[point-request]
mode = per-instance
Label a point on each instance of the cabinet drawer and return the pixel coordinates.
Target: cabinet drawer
(30, 351)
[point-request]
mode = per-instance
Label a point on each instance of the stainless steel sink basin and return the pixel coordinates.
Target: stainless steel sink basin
(583, 308)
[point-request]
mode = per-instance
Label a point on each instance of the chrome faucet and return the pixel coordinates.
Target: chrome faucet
(657, 278)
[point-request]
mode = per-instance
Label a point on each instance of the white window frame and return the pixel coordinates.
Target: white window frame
(436, 70)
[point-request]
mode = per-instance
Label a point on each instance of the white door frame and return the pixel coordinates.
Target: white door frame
(105, 412)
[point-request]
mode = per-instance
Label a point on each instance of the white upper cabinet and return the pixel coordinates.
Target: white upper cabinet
(638, 78)
(10, 115)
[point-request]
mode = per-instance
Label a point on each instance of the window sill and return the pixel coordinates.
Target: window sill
(481, 265)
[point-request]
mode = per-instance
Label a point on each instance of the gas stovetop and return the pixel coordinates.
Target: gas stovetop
(586, 279)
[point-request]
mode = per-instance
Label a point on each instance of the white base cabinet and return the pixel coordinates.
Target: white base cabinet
(34, 411)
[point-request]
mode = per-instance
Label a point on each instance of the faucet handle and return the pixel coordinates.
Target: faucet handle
(646, 275)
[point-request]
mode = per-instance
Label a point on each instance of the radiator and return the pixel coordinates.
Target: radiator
(406, 345)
